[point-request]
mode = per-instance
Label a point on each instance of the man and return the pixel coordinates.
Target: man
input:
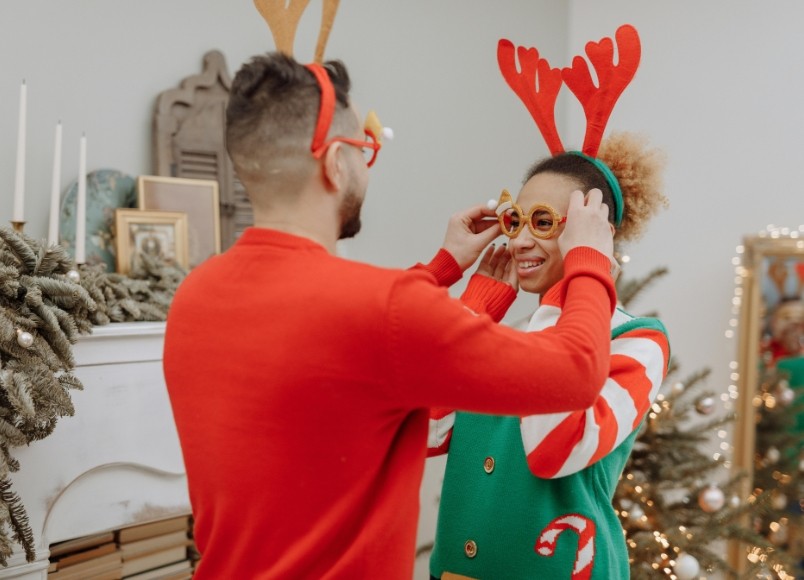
(300, 382)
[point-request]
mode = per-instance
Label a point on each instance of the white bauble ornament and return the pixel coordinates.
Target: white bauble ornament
(24, 339)
(786, 396)
(491, 204)
(705, 406)
(711, 499)
(678, 388)
(734, 501)
(635, 513)
(779, 501)
(73, 275)
(772, 455)
(687, 567)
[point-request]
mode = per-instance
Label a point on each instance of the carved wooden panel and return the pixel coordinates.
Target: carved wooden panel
(188, 140)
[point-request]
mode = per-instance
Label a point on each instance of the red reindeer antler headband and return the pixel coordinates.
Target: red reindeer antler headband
(537, 85)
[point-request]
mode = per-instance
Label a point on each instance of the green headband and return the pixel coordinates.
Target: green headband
(611, 179)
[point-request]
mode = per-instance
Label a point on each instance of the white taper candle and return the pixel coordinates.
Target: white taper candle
(19, 181)
(81, 205)
(55, 190)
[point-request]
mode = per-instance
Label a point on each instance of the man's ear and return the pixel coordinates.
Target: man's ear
(334, 167)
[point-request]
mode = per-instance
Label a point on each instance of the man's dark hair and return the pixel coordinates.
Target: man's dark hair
(271, 115)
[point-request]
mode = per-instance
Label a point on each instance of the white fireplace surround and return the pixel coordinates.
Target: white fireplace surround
(117, 461)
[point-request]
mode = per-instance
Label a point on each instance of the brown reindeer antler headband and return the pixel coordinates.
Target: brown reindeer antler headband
(283, 20)
(537, 85)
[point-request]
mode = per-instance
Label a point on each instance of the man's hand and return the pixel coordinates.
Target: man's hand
(468, 232)
(587, 224)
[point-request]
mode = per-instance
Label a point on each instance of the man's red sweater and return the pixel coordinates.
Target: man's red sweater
(300, 384)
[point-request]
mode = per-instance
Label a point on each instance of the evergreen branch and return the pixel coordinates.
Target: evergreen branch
(18, 520)
(20, 247)
(19, 395)
(628, 290)
(10, 435)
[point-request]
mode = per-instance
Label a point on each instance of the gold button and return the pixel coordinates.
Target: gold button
(488, 465)
(470, 548)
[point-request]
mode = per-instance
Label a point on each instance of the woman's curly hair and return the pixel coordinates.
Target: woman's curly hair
(638, 169)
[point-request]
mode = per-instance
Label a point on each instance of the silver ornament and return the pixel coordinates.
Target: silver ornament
(73, 275)
(711, 499)
(687, 567)
(705, 405)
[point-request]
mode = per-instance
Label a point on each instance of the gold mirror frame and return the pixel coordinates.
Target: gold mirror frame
(752, 288)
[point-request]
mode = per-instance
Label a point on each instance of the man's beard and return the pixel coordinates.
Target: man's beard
(350, 215)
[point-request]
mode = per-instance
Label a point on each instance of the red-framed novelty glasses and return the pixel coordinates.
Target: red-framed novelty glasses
(542, 219)
(372, 127)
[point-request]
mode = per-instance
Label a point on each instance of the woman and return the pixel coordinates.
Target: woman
(530, 497)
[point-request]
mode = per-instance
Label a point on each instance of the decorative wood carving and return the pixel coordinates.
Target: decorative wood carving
(188, 140)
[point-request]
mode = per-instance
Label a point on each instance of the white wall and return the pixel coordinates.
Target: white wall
(719, 89)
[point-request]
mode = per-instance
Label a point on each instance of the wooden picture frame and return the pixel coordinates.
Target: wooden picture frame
(198, 198)
(159, 233)
(772, 278)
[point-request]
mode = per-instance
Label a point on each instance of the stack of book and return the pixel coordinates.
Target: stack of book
(156, 550)
(95, 557)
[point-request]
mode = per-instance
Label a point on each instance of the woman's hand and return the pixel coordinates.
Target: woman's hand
(497, 263)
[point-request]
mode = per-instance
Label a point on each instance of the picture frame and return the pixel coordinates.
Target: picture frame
(771, 283)
(198, 198)
(158, 233)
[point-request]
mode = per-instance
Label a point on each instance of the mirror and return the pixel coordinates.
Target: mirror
(769, 433)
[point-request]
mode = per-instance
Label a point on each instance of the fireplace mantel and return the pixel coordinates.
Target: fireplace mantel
(117, 461)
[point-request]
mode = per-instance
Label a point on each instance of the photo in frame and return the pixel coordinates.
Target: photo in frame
(158, 234)
(198, 198)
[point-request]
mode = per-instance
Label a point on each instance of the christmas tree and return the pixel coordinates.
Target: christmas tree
(679, 505)
(779, 405)
(46, 304)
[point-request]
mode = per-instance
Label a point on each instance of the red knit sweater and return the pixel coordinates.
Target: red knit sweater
(300, 384)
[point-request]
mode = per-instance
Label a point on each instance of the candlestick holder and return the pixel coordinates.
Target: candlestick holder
(18, 226)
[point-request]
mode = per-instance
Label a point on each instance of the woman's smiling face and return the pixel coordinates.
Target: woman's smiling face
(539, 263)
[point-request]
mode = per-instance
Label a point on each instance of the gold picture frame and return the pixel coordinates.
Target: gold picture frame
(771, 276)
(198, 198)
(158, 233)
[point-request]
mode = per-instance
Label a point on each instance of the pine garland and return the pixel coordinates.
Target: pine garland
(45, 305)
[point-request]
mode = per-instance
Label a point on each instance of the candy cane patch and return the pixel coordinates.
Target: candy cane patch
(584, 556)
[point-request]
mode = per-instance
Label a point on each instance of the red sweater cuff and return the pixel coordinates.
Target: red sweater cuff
(444, 268)
(485, 294)
(586, 261)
